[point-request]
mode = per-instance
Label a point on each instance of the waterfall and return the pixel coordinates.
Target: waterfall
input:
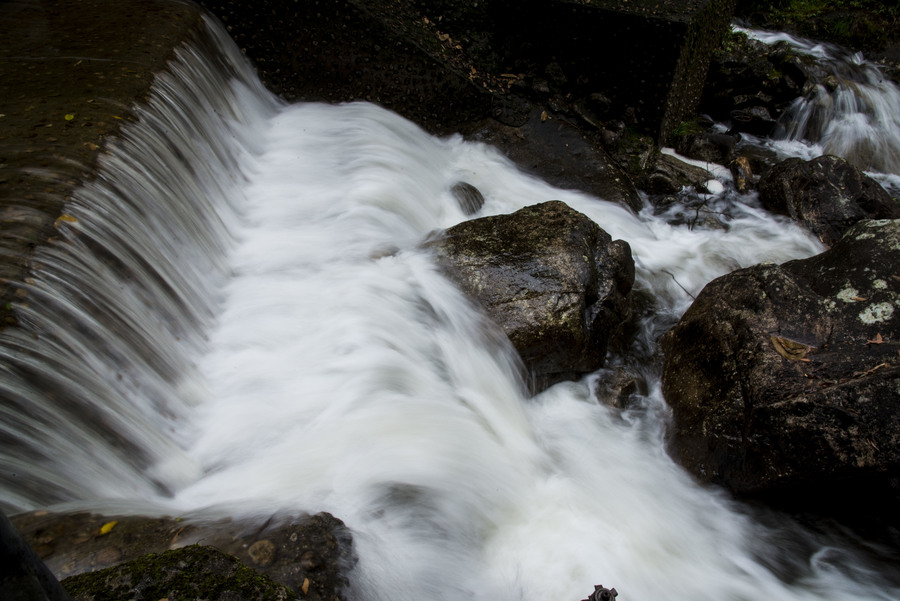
(118, 307)
(853, 113)
(238, 319)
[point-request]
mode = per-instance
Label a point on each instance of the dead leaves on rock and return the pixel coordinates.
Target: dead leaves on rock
(877, 340)
(790, 349)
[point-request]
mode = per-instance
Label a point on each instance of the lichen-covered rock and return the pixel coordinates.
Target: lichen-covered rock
(555, 283)
(826, 194)
(189, 573)
(784, 380)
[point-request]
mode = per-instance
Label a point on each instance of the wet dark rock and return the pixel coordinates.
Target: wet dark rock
(827, 195)
(565, 155)
(709, 146)
(742, 174)
(670, 174)
(754, 120)
(570, 44)
(555, 283)
(468, 196)
(784, 379)
(617, 386)
(750, 84)
(869, 26)
(194, 572)
(306, 552)
(262, 552)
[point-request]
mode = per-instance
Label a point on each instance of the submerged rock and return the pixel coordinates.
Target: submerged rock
(468, 197)
(553, 281)
(826, 194)
(784, 380)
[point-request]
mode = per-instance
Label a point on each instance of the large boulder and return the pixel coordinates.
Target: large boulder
(554, 282)
(784, 380)
(826, 194)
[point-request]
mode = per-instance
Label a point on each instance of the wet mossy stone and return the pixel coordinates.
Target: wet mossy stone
(186, 574)
(555, 283)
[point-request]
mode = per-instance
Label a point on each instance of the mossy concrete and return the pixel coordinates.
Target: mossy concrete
(195, 572)
(70, 71)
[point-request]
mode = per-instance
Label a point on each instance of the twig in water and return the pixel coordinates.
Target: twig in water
(672, 275)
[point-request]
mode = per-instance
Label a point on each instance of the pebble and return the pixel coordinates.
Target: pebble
(262, 552)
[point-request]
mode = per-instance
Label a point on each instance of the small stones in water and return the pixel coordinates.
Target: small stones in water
(468, 196)
(262, 552)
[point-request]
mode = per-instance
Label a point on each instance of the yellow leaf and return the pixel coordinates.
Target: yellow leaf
(305, 588)
(105, 528)
(64, 218)
(69, 116)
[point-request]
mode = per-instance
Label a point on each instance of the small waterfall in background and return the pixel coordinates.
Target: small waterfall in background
(854, 112)
(238, 319)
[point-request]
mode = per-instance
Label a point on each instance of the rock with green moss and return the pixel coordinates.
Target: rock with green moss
(784, 380)
(555, 282)
(185, 574)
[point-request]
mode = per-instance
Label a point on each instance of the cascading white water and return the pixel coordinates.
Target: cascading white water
(118, 307)
(343, 373)
(854, 113)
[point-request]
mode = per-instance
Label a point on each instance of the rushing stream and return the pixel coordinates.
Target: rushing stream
(240, 321)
